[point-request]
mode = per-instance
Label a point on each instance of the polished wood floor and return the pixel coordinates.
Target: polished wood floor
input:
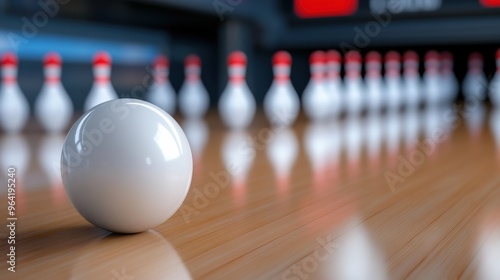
(401, 196)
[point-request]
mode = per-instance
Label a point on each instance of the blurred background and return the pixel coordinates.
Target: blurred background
(135, 31)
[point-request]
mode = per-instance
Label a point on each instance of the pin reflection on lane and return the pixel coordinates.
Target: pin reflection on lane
(353, 143)
(488, 248)
(411, 129)
(356, 256)
(197, 134)
(15, 152)
(49, 157)
(238, 154)
(392, 136)
(475, 116)
(318, 149)
(282, 152)
(373, 130)
(495, 129)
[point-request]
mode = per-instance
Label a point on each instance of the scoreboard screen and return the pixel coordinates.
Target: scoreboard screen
(325, 8)
(306, 9)
(491, 3)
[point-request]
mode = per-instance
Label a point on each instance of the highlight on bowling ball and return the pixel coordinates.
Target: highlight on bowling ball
(126, 166)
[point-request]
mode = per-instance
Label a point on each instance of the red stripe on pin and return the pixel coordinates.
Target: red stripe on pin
(52, 80)
(432, 55)
(102, 79)
(8, 80)
(317, 57)
(282, 58)
(102, 58)
(192, 60)
(237, 58)
(353, 56)
(333, 56)
(52, 59)
(410, 56)
(161, 61)
(373, 56)
(9, 59)
(392, 56)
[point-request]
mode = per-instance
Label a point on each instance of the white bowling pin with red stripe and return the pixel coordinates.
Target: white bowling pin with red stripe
(334, 82)
(449, 80)
(393, 80)
(193, 97)
(14, 108)
(412, 83)
(53, 107)
(101, 90)
(162, 93)
(475, 85)
(315, 99)
(495, 83)
(237, 104)
(374, 82)
(432, 79)
(353, 82)
(282, 103)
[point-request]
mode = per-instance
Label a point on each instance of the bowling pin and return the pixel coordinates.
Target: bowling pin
(475, 85)
(315, 99)
(237, 104)
(353, 83)
(449, 80)
(53, 107)
(374, 83)
(432, 79)
(282, 103)
(14, 108)
(495, 84)
(334, 82)
(101, 90)
(161, 92)
(412, 83)
(193, 97)
(393, 80)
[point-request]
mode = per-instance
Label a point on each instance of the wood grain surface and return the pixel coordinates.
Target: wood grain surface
(397, 196)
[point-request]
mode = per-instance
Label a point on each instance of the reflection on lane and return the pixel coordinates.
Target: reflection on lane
(15, 152)
(488, 248)
(356, 256)
(495, 129)
(49, 158)
(238, 154)
(353, 143)
(282, 152)
(139, 256)
(197, 133)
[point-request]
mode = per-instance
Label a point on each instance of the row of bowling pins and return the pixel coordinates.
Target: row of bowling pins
(326, 94)
(54, 109)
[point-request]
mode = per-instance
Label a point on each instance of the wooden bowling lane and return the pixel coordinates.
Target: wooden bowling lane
(395, 197)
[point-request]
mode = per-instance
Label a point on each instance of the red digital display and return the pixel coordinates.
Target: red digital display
(325, 8)
(491, 3)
